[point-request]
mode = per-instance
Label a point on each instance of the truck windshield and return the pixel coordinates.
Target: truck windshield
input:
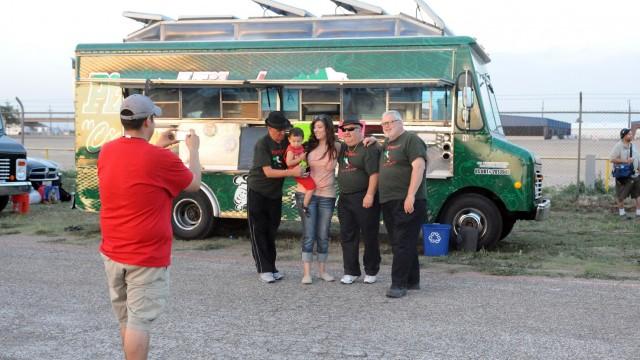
(489, 103)
(488, 98)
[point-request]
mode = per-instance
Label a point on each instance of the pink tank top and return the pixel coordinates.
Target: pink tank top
(323, 173)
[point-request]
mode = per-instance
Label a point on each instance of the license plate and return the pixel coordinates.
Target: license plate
(46, 183)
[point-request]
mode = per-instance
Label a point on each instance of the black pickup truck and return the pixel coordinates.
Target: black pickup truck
(13, 167)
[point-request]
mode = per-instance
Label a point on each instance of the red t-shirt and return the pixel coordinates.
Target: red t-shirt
(137, 183)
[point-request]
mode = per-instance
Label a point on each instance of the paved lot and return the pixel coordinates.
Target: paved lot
(53, 305)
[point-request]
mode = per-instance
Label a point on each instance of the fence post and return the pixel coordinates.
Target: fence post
(629, 114)
(579, 144)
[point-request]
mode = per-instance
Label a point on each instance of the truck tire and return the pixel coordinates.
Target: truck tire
(4, 200)
(192, 216)
(507, 226)
(476, 210)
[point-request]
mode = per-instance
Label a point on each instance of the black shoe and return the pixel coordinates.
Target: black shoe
(396, 292)
(415, 286)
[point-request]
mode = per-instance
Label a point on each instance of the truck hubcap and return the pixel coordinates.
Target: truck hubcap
(187, 214)
(473, 218)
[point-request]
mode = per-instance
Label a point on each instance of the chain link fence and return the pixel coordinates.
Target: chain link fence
(559, 135)
(588, 135)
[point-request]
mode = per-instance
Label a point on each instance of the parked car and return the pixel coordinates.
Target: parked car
(13, 171)
(42, 170)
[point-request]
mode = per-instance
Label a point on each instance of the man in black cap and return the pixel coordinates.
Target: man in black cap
(358, 207)
(624, 152)
(264, 199)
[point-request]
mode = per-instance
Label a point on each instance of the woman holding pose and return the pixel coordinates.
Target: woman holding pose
(322, 159)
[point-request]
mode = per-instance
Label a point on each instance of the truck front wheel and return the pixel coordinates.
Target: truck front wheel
(507, 226)
(477, 211)
(4, 200)
(192, 216)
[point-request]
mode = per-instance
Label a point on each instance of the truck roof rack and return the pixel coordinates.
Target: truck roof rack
(359, 7)
(282, 9)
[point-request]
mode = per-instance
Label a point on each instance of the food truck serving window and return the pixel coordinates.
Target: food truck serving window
(421, 103)
(201, 103)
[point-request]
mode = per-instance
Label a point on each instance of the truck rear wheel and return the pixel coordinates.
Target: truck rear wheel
(475, 210)
(4, 200)
(192, 216)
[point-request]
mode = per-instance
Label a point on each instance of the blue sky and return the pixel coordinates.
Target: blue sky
(541, 50)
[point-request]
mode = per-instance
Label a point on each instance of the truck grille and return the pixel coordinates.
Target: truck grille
(43, 174)
(5, 169)
(538, 186)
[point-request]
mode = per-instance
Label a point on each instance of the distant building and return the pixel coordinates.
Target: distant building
(514, 125)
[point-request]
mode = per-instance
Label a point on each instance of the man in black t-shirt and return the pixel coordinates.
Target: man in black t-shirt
(264, 198)
(402, 189)
(358, 207)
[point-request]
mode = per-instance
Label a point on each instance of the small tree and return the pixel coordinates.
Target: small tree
(10, 114)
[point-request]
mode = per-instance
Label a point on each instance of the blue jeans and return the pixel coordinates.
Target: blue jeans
(315, 227)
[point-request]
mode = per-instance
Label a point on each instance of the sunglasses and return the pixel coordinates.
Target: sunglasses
(349, 129)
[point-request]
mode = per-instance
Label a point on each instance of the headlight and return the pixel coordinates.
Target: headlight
(21, 169)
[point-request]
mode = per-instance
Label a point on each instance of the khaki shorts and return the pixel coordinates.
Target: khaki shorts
(138, 294)
(630, 187)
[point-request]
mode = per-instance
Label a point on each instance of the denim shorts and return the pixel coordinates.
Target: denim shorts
(315, 227)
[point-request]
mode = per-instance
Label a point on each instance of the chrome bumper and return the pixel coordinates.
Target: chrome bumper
(14, 188)
(543, 209)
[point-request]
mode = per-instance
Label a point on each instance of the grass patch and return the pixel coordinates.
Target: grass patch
(582, 238)
(52, 220)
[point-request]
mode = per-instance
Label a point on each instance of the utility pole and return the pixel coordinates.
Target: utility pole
(50, 123)
(21, 118)
(542, 111)
(579, 121)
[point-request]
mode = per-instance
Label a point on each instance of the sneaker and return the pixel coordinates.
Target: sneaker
(396, 292)
(348, 279)
(307, 280)
(414, 287)
(267, 277)
(326, 277)
(278, 275)
(370, 279)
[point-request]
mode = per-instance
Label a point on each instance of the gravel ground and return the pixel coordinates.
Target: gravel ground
(54, 305)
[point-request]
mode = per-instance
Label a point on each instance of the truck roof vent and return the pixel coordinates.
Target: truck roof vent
(145, 18)
(206, 17)
(359, 7)
(282, 9)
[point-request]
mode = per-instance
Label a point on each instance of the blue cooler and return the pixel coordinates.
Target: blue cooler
(436, 239)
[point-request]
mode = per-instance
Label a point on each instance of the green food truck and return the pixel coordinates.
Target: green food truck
(221, 75)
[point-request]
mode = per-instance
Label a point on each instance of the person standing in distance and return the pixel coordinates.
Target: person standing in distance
(624, 152)
(264, 197)
(358, 205)
(402, 188)
(137, 183)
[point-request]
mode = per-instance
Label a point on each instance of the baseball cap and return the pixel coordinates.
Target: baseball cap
(624, 132)
(277, 120)
(140, 106)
